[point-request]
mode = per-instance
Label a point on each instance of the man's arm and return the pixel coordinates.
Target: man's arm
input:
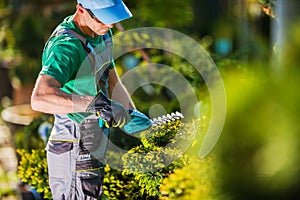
(117, 90)
(48, 98)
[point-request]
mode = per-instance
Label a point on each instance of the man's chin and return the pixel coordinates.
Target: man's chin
(102, 32)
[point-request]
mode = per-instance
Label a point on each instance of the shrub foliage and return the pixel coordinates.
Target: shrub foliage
(148, 168)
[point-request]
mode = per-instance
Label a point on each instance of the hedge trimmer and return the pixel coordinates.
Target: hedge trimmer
(139, 122)
(112, 113)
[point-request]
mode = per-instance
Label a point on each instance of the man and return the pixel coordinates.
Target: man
(75, 84)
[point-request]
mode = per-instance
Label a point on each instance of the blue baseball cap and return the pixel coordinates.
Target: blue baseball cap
(107, 11)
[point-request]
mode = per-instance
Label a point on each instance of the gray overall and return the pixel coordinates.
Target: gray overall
(75, 156)
(76, 153)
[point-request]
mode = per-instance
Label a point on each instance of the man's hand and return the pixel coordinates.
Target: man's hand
(113, 113)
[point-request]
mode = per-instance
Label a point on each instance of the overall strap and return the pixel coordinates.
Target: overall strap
(86, 45)
(102, 73)
(107, 40)
(70, 32)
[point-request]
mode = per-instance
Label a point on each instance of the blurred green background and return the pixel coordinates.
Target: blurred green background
(256, 47)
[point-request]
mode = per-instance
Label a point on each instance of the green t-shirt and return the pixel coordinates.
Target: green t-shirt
(65, 59)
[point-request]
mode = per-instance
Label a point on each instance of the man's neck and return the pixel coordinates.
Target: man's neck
(83, 27)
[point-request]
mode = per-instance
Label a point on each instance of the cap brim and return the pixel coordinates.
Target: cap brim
(113, 14)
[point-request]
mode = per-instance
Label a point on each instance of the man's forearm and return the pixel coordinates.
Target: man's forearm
(121, 95)
(48, 98)
(118, 92)
(58, 103)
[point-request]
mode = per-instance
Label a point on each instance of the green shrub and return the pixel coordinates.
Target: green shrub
(259, 147)
(118, 186)
(196, 180)
(6, 180)
(162, 151)
(113, 184)
(30, 143)
(33, 170)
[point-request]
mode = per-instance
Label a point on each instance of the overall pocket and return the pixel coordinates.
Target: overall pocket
(92, 147)
(59, 147)
(91, 182)
(59, 159)
(93, 139)
(90, 135)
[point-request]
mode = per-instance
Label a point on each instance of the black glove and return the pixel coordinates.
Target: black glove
(113, 113)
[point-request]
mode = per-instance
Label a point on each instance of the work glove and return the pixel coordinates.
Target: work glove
(113, 113)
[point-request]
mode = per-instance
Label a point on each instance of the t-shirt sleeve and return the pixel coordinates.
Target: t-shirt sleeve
(60, 61)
